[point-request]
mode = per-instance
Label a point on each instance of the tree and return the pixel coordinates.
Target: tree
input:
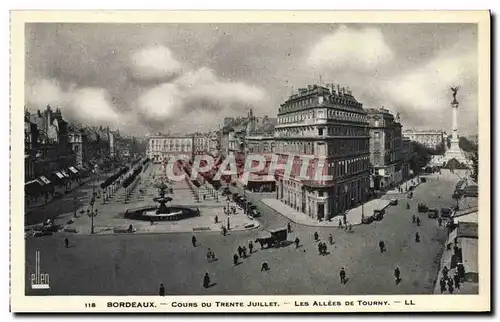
(475, 166)
(467, 145)
(420, 157)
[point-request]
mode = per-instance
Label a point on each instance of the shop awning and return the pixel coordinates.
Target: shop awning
(73, 169)
(452, 236)
(44, 179)
(37, 182)
(59, 175)
(469, 254)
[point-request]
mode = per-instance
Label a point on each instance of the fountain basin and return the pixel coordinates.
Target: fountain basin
(148, 213)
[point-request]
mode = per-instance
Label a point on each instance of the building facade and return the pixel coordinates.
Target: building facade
(407, 154)
(328, 126)
(433, 139)
(386, 155)
(162, 147)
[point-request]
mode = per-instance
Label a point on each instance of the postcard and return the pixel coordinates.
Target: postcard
(244, 161)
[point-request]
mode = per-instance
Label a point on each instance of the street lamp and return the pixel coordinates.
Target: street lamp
(75, 203)
(91, 213)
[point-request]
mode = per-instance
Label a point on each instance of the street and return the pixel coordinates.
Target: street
(137, 264)
(64, 204)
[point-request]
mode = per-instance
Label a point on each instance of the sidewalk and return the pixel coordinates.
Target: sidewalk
(110, 215)
(353, 215)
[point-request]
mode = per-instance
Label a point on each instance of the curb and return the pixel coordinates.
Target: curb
(310, 225)
(162, 232)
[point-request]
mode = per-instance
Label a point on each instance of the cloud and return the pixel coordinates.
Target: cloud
(154, 63)
(42, 92)
(198, 94)
(363, 49)
(93, 106)
(424, 91)
(85, 105)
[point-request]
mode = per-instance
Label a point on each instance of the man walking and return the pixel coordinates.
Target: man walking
(397, 274)
(66, 242)
(206, 281)
(440, 221)
(442, 283)
(297, 242)
(342, 276)
(381, 245)
(250, 247)
(193, 241)
(456, 279)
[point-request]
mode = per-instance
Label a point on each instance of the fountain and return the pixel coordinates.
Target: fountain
(161, 212)
(162, 200)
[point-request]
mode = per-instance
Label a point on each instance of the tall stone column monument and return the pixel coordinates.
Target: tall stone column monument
(454, 152)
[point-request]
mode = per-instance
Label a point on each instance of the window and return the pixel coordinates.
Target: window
(320, 131)
(320, 193)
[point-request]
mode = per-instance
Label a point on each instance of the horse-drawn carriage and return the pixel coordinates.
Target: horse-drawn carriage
(272, 238)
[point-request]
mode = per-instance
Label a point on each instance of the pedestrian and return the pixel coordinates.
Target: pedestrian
(316, 236)
(450, 285)
(162, 290)
(235, 259)
(340, 224)
(240, 251)
(264, 267)
(442, 283)
(216, 219)
(204, 197)
(244, 251)
(297, 242)
(456, 279)
(223, 230)
(325, 249)
(342, 276)
(381, 245)
(151, 222)
(193, 241)
(206, 281)
(345, 219)
(350, 228)
(320, 248)
(250, 246)
(209, 255)
(289, 227)
(440, 221)
(445, 272)
(213, 256)
(417, 237)
(66, 242)
(418, 221)
(413, 219)
(397, 274)
(330, 239)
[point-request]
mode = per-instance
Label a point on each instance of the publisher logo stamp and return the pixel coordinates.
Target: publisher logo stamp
(39, 280)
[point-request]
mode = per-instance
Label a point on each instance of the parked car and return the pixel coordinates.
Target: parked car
(433, 213)
(393, 202)
(367, 219)
(445, 212)
(378, 214)
(422, 207)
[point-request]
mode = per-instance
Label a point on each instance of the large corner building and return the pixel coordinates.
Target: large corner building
(329, 126)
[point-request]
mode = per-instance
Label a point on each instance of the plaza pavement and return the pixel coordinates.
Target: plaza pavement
(353, 215)
(110, 215)
(137, 264)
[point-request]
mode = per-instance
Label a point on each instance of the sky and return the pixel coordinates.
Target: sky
(148, 78)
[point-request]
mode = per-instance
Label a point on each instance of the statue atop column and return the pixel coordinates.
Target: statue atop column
(454, 91)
